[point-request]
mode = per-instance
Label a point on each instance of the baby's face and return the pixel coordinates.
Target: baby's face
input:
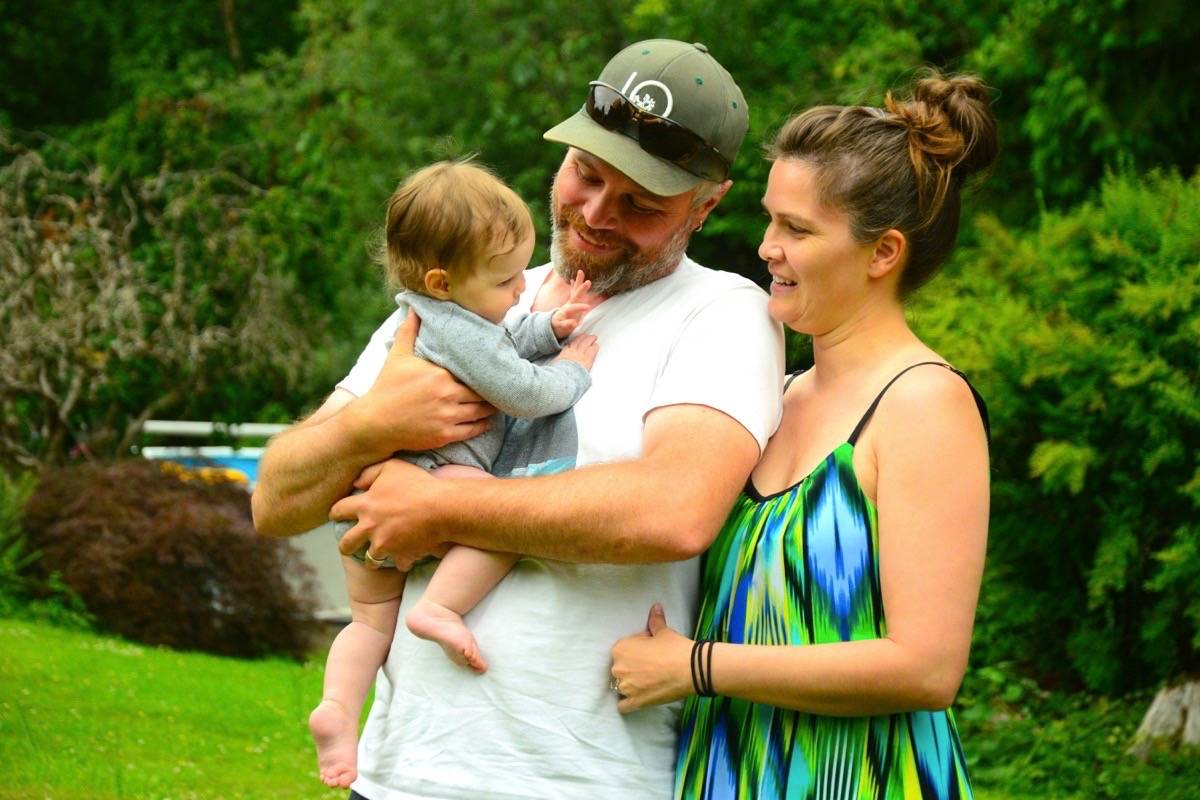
(495, 286)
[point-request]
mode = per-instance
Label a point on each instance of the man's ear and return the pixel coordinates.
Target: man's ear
(706, 208)
(890, 253)
(437, 283)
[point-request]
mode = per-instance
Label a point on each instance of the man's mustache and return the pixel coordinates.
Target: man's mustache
(569, 218)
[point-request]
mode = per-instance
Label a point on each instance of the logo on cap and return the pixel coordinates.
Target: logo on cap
(641, 95)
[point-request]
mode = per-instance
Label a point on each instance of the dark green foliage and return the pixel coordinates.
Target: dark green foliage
(1078, 321)
(22, 592)
(69, 61)
(15, 556)
(165, 557)
(333, 102)
(1082, 335)
(1032, 743)
(1085, 87)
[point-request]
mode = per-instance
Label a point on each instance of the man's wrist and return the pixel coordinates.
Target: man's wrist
(354, 427)
(437, 512)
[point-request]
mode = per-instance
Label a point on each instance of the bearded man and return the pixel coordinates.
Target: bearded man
(617, 497)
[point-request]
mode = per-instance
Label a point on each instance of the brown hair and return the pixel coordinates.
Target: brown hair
(901, 166)
(450, 215)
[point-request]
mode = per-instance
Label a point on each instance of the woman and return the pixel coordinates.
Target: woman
(840, 595)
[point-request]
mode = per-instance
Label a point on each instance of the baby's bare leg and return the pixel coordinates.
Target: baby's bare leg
(464, 577)
(354, 658)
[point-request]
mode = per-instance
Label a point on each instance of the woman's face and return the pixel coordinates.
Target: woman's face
(819, 273)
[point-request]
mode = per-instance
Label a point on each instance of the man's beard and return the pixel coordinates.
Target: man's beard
(627, 267)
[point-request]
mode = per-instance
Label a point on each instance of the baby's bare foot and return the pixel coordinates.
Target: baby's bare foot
(335, 732)
(439, 624)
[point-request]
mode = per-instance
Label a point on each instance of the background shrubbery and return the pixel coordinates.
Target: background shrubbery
(241, 155)
(160, 555)
(1082, 333)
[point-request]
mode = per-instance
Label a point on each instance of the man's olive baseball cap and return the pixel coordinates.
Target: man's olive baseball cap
(671, 79)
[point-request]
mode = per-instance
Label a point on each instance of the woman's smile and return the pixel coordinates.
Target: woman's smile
(780, 285)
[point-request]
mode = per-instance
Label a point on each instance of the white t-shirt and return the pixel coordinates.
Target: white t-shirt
(542, 722)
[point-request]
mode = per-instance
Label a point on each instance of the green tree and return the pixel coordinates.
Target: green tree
(121, 298)
(1082, 335)
(71, 61)
(1090, 87)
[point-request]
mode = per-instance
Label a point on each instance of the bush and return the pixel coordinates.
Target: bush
(15, 556)
(1029, 743)
(45, 598)
(1082, 336)
(163, 556)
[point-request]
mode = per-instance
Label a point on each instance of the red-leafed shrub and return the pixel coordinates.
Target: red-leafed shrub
(165, 556)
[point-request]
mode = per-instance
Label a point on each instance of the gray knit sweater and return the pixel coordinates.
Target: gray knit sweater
(494, 361)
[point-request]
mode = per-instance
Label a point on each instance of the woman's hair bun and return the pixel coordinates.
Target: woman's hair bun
(950, 121)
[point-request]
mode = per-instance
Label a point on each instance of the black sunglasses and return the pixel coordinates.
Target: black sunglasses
(657, 135)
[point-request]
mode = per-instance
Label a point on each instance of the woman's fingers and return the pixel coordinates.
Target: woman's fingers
(657, 620)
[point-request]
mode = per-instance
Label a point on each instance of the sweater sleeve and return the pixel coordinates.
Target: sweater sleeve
(534, 335)
(483, 356)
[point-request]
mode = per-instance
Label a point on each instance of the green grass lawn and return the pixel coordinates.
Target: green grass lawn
(90, 717)
(87, 716)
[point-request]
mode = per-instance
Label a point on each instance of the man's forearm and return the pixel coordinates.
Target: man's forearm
(648, 523)
(302, 473)
(666, 505)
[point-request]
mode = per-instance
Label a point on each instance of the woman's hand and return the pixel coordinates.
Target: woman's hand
(652, 667)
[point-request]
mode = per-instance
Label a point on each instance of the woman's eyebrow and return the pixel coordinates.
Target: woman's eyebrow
(795, 219)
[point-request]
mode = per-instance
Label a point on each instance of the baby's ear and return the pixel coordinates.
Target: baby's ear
(437, 283)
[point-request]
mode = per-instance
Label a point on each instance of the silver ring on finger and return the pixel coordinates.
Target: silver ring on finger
(373, 561)
(614, 685)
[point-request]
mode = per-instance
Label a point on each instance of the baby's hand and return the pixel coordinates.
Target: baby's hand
(582, 350)
(567, 316)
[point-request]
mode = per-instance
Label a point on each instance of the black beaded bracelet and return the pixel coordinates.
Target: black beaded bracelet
(708, 672)
(702, 668)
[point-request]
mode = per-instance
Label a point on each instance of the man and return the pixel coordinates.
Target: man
(685, 393)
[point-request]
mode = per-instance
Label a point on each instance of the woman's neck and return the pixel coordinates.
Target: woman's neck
(869, 340)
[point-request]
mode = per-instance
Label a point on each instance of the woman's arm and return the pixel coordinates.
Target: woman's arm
(933, 508)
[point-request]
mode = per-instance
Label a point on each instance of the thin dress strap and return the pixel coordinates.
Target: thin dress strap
(789, 380)
(983, 412)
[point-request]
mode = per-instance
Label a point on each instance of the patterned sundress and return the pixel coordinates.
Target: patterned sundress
(800, 567)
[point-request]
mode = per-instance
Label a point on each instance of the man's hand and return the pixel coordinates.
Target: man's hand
(413, 404)
(566, 318)
(389, 514)
(581, 350)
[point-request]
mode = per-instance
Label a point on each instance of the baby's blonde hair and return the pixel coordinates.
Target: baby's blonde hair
(451, 215)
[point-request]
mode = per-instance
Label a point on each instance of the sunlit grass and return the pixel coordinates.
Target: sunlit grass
(85, 716)
(88, 717)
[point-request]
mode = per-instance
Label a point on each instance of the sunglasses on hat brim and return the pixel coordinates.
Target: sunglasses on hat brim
(657, 135)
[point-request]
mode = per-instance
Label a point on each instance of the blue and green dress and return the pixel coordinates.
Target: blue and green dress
(801, 567)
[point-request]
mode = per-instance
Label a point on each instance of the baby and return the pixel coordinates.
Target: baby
(458, 240)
